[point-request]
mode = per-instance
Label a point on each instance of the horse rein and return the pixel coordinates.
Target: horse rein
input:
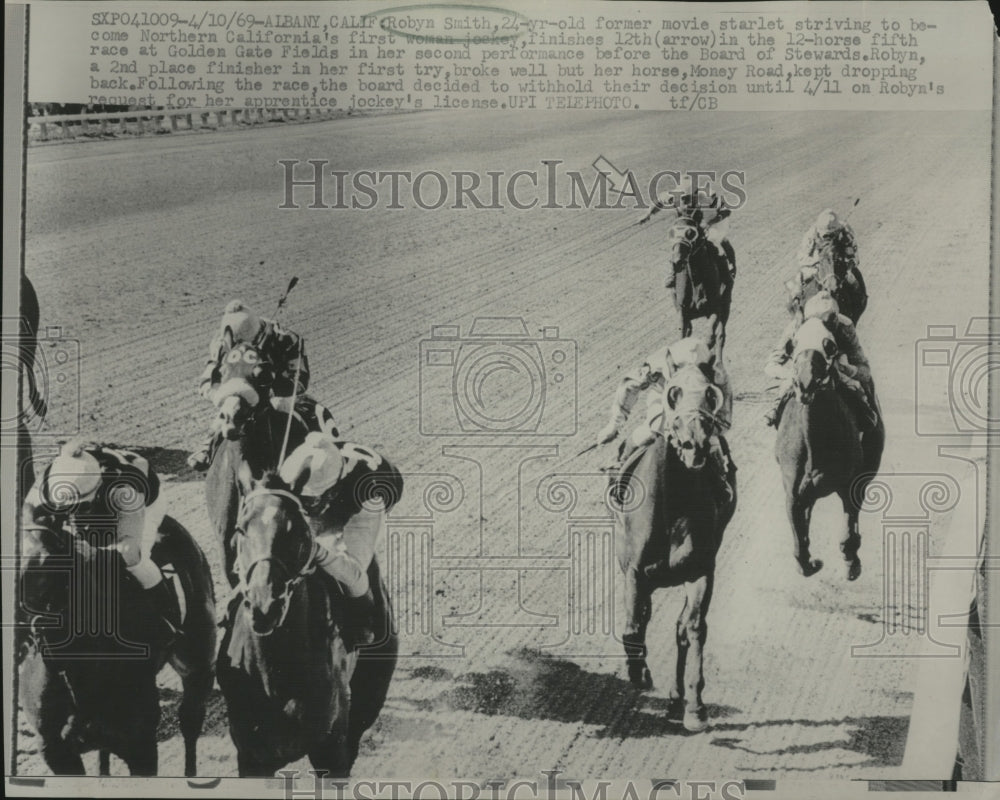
(294, 578)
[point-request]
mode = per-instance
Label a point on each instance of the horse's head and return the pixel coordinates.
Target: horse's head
(812, 359)
(693, 402)
(274, 549)
(245, 378)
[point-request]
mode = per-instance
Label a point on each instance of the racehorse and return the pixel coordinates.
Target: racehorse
(672, 527)
(820, 447)
(700, 287)
(85, 681)
(851, 297)
(254, 434)
(291, 686)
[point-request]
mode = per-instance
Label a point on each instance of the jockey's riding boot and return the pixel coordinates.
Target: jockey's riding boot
(201, 459)
(360, 619)
(167, 611)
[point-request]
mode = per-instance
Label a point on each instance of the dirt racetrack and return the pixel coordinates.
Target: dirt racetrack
(502, 588)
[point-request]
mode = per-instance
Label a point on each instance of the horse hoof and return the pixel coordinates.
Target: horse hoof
(695, 721)
(810, 567)
(854, 569)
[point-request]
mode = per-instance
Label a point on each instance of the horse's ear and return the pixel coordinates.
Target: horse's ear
(227, 338)
(673, 396)
(245, 477)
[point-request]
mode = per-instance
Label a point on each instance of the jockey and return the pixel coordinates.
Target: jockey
(91, 486)
(852, 368)
(345, 489)
(655, 372)
(284, 350)
(833, 238)
(701, 215)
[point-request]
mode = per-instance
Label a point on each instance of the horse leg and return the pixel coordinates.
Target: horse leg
(713, 323)
(692, 619)
(799, 514)
(104, 761)
(191, 714)
(851, 542)
(142, 759)
(61, 757)
(681, 637)
(637, 609)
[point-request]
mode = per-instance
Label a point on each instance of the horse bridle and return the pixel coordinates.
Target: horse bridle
(825, 381)
(686, 416)
(293, 577)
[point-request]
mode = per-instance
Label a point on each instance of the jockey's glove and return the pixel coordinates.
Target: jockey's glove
(207, 390)
(286, 405)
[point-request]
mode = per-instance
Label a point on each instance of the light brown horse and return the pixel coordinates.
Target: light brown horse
(673, 519)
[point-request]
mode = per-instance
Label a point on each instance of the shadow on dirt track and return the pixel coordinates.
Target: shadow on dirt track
(537, 687)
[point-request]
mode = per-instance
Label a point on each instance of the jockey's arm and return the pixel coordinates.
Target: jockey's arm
(849, 248)
(627, 395)
(807, 254)
(657, 206)
(777, 363)
(210, 376)
(293, 377)
(850, 348)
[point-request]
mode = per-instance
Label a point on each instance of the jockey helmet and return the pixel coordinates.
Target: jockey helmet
(321, 459)
(73, 477)
(243, 322)
(827, 223)
(820, 306)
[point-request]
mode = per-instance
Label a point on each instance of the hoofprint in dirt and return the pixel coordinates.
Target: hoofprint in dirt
(135, 246)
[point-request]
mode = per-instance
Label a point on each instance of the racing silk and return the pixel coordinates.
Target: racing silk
(126, 487)
(345, 489)
(841, 249)
(655, 372)
(283, 349)
(851, 359)
(119, 468)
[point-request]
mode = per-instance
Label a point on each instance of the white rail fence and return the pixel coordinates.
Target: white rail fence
(164, 120)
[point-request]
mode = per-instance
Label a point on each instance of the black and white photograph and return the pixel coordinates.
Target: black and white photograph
(556, 400)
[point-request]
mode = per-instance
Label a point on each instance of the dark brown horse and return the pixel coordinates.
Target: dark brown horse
(851, 296)
(702, 284)
(291, 686)
(254, 434)
(85, 679)
(672, 526)
(821, 450)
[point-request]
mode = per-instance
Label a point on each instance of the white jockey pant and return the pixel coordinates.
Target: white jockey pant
(345, 555)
